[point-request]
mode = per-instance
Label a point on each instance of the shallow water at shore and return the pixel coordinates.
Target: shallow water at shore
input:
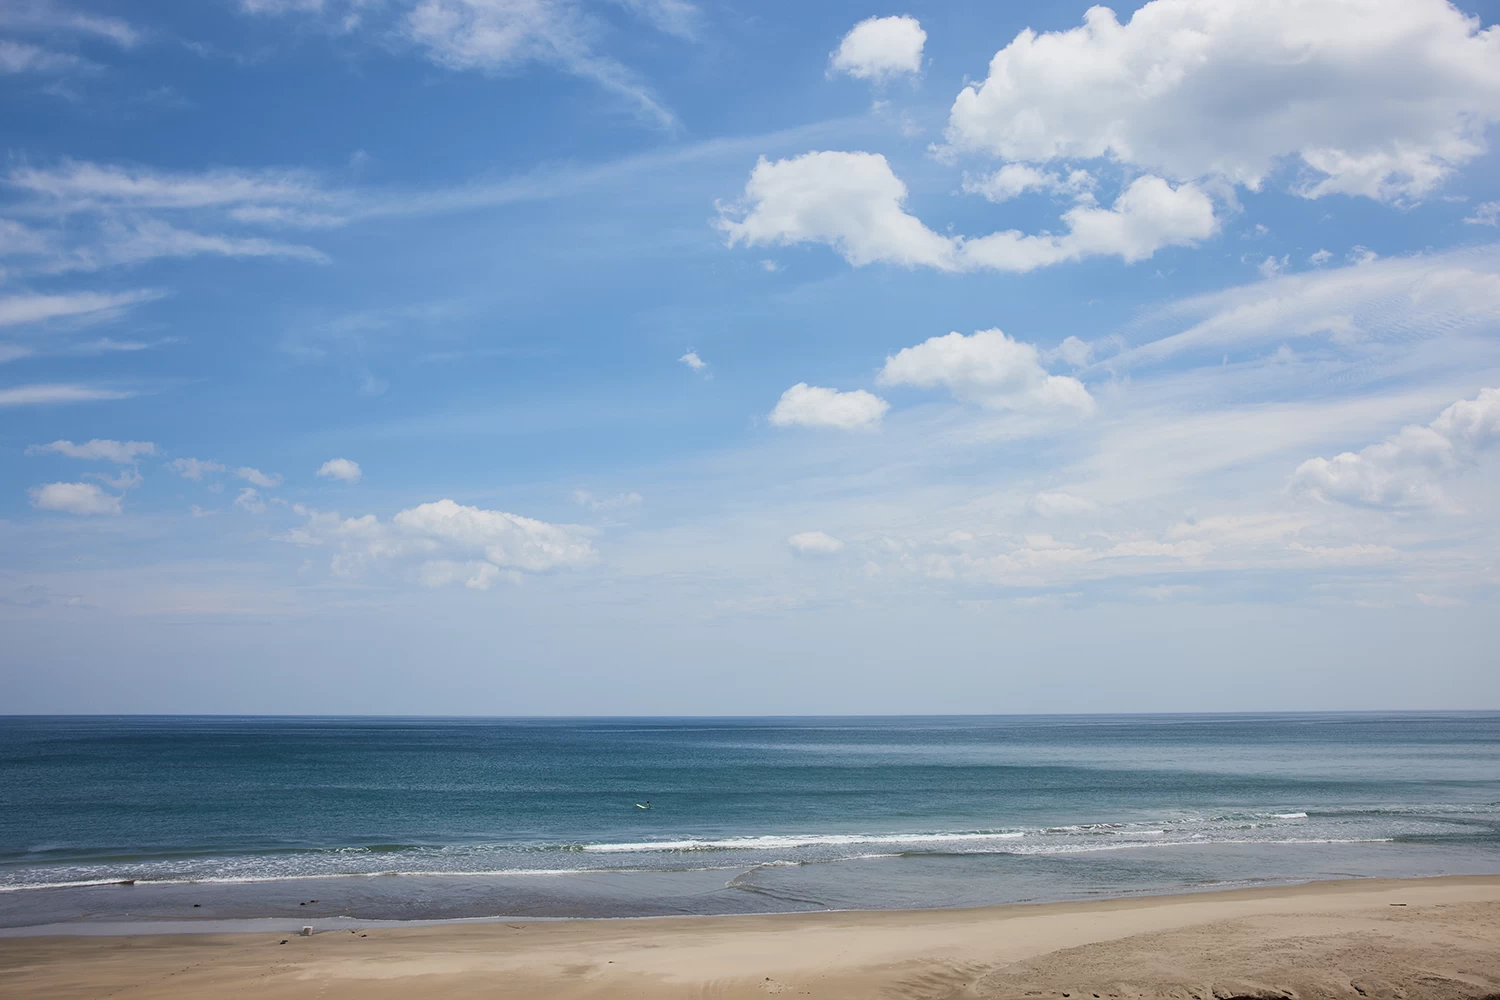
(414, 819)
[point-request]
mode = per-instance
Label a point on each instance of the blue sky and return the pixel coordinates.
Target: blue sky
(651, 356)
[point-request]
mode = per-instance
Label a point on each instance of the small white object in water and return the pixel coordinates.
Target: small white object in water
(307, 931)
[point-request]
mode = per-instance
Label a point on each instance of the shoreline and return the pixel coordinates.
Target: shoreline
(1371, 937)
(147, 927)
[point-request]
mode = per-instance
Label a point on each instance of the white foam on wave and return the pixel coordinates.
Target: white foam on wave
(783, 842)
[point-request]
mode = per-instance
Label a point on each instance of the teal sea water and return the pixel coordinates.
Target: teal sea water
(417, 818)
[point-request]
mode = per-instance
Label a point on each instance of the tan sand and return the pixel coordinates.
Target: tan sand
(1424, 938)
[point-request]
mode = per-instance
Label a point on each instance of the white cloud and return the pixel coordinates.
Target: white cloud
(18, 57)
(1271, 266)
(503, 35)
(1319, 258)
(192, 468)
(815, 543)
(1485, 214)
(694, 362)
(1403, 470)
(672, 17)
(1404, 297)
(341, 468)
(1148, 215)
(848, 200)
(613, 501)
(1073, 351)
(1383, 98)
(446, 542)
(989, 368)
(806, 405)
(77, 185)
(281, 6)
(257, 478)
(152, 239)
(878, 48)
(112, 215)
(75, 498)
(853, 202)
(18, 309)
(119, 452)
(47, 393)
(475, 574)
(1056, 503)
(250, 501)
(126, 479)
(42, 16)
(1015, 179)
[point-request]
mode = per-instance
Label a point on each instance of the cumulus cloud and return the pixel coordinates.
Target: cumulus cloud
(446, 542)
(341, 468)
(806, 405)
(814, 543)
(850, 201)
(989, 368)
(1485, 214)
(694, 362)
(1016, 179)
(193, 468)
(1381, 98)
(75, 498)
(854, 202)
(1148, 215)
(1073, 351)
(257, 478)
(1404, 470)
(878, 48)
(119, 452)
(250, 501)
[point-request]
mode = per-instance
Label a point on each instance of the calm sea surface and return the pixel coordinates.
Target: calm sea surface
(412, 818)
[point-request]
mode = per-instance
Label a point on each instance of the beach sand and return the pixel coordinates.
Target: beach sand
(1425, 938)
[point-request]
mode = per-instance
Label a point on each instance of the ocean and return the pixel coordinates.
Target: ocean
(104, 820)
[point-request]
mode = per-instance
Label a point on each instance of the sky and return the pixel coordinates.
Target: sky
(657, 357)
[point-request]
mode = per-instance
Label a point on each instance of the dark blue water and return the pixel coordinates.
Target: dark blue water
(462, 817)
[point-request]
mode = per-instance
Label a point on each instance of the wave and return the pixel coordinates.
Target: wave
(1283, 824)
(783, 842)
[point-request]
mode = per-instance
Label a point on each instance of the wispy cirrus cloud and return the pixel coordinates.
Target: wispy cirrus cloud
(17, 310)
(48, 393)
(44, 16)
(502, 36)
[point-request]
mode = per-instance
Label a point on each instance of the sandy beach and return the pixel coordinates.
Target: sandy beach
(1437, 938)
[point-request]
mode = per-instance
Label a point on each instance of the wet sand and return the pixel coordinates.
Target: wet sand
(1412, 939)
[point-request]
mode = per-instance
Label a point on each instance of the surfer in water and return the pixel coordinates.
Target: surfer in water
(643, 805)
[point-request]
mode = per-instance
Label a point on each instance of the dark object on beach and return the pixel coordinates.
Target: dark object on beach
(196, 905)
(283, 940)
(301, 904)
(364, 935)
